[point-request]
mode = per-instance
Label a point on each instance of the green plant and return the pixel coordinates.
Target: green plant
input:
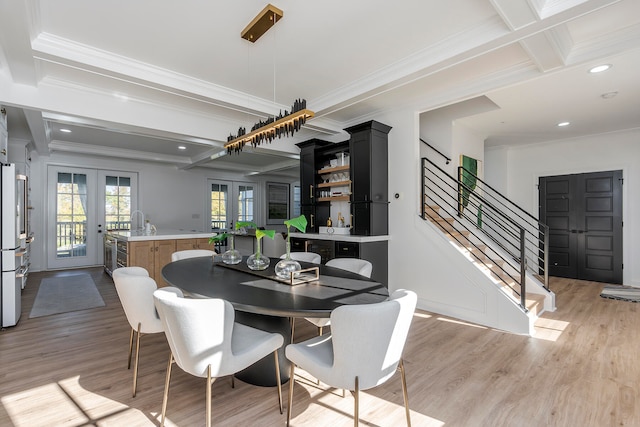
(300, 223)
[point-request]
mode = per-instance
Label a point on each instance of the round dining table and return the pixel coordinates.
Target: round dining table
(264, 301)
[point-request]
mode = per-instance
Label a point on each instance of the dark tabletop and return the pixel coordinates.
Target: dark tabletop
(257, 292)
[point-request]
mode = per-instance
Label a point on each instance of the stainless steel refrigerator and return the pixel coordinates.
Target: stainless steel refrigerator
(14, 233)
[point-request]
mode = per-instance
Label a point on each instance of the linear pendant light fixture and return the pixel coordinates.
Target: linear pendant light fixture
(274, 127)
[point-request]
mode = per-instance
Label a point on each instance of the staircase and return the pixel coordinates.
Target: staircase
(505, 243)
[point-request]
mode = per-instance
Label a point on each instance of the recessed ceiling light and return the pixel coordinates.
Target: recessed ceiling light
(181, 147)
(65, 130)
(562, 124)
(600, 68)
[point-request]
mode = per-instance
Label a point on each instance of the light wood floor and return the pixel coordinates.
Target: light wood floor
(582, 369)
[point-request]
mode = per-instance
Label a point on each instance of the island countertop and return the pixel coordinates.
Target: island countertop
(162, 234)
(340, 237)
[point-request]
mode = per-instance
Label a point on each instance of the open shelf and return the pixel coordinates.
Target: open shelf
(343, 198)
(334, 184)
(332, 170)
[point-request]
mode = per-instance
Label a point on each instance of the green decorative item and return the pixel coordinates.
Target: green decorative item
(286, 266)
(231, 256)
(467, 176)
(258, 261)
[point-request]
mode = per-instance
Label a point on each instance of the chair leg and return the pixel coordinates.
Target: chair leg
(130, 348)
(404, 392)
(291, 383)
(292, 321)
(278, 381)
(208, 422)
(166, 390)
(320, 330)
(135, 366)
(356, 404)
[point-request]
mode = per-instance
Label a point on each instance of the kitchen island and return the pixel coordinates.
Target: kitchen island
(151, 251)
(338, 245)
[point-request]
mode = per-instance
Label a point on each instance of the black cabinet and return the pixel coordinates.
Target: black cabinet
(374, 252)
(309, 163)
(368, 148)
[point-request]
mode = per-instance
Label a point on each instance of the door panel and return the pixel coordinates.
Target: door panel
(584, 214)
(72, 218)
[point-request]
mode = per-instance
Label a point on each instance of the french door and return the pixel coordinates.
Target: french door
(584, 214)
(72, 241)
(230, 202)
(82, 205)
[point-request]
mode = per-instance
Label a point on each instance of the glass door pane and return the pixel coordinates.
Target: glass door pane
(117, 202)
(71, 214)
(245, 197)
(219, 193)
(72, 237)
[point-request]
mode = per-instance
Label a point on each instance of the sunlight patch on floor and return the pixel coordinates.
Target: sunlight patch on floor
(549, 329)
(67, 404)
(460, 322)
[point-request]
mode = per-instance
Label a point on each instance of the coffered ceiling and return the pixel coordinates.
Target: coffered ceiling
(139, 79)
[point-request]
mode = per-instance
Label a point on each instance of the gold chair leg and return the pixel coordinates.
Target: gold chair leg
(208, 422)
(291, 383)
(356, 404)
(135, 366)
(278, 380)
(165, 398)
(404, 392)
(130, 348)
(292, 321)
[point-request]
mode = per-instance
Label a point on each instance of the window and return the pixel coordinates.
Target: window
(219, 197)
(71, 215)
(296, 201)
(117, 203)
(245, 203)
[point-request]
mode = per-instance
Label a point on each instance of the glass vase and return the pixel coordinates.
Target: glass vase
(231, 256)
(258, 261)
(286, 266)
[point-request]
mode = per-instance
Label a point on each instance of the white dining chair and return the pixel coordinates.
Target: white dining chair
(311, 257)
(363, 350)
(206, 342)
(135, 289)
(354, 265)
(191, 253)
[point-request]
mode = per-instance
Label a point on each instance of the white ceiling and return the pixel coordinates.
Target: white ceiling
(137, 79)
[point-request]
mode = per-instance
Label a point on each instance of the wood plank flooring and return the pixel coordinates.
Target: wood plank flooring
(581, 369)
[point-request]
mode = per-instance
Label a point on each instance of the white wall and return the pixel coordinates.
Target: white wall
(169, 197)
(521, 167)
(420, 257)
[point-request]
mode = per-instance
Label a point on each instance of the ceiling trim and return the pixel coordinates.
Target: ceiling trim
(99, 150)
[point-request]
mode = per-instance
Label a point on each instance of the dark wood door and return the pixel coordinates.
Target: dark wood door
(584, 214)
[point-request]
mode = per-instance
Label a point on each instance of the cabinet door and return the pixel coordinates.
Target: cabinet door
(163, 250)
(203, 243)
(307, 176)
(185, 244)
(141, 254)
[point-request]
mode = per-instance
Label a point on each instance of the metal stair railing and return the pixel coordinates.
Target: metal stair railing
(480, 211)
